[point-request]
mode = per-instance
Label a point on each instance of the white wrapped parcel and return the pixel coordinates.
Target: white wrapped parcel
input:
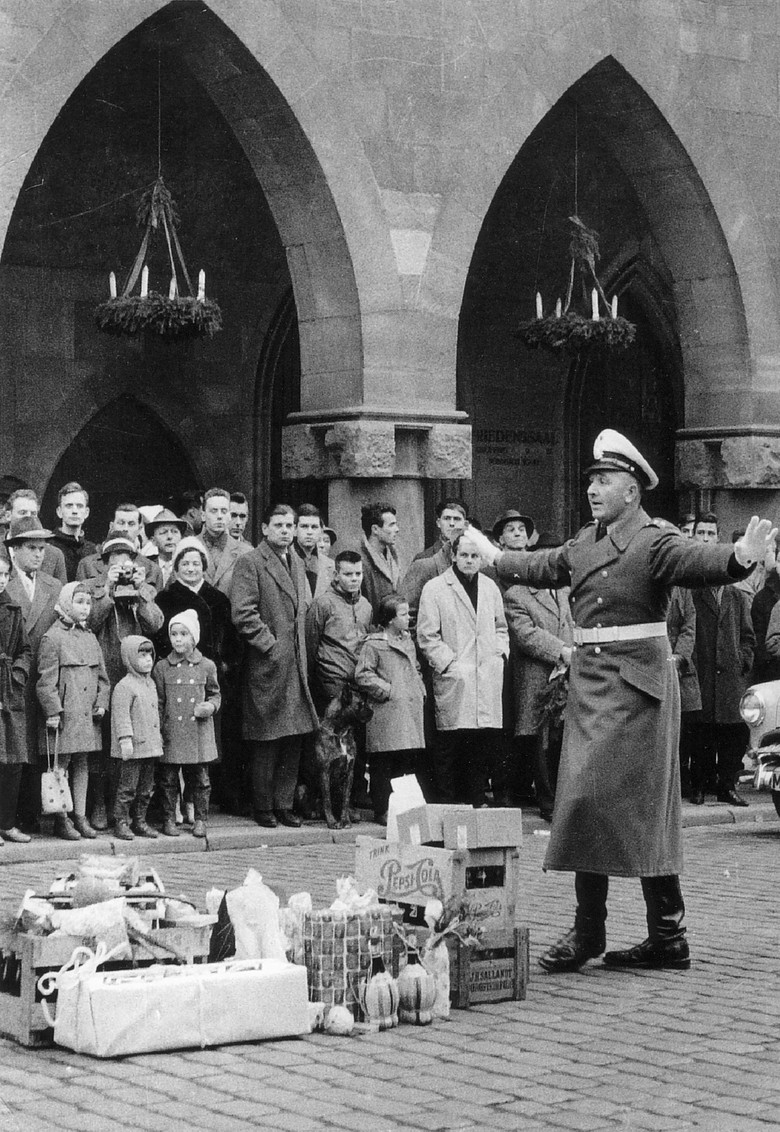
(115, 1013)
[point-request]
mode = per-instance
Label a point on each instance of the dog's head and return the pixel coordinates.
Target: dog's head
(350, 707)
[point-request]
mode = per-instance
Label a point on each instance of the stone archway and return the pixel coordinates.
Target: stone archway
(62, 371)
(638, 187)
(125, 453)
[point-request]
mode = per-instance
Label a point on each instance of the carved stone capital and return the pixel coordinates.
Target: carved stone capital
(369, 448)
(728, 461)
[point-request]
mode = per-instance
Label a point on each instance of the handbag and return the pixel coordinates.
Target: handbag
(55, 789)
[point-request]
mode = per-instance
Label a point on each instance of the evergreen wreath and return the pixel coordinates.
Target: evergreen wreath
(571, 331)
(183, 316)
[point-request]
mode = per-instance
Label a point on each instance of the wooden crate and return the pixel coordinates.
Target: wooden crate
(24, 958)
(495, 971)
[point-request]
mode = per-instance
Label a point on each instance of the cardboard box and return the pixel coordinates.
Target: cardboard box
(482, 829)
(411, 875)
(423, 825)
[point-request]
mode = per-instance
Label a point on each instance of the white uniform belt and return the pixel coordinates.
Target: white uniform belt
(610, 633)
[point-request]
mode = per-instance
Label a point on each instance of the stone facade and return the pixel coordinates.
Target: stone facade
(391, 149)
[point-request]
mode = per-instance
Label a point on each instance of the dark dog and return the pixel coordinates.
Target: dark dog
(334, 751)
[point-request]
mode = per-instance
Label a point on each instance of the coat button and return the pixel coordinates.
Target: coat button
(597, 649)
(599, 601)
(604, 573)
(178, 701)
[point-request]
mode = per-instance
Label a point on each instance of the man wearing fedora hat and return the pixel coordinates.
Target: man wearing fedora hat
(617, 807)
(513, 775)
(166, 532)
(36, 592)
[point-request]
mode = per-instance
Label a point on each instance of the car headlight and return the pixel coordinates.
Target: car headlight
(752, 708)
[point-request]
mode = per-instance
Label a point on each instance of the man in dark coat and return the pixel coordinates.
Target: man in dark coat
(725, 645)
(73, 512)
(617, 808)
(269, 611)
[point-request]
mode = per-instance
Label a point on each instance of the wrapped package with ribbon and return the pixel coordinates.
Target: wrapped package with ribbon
(117, 1013)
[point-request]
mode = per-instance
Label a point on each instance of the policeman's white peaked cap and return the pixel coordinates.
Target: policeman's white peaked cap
(613, 452)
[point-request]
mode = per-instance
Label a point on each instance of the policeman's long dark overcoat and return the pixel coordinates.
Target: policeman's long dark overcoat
(617, 805)
(269, 611)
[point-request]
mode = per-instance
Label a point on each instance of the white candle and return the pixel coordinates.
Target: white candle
(144, 282)
(201, 285)
(172, 289)
(112, 285)
(594, 304)
(558, 309)
(614, 306)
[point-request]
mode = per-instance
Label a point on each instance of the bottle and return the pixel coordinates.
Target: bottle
(379, 995)
(416, 988)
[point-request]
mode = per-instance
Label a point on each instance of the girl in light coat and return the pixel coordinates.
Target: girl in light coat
(388, 672)
(73, 692)
(189, 699)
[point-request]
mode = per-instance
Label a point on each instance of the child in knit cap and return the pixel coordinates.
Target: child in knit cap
(136, 742)
(73, 692)
(189, 698)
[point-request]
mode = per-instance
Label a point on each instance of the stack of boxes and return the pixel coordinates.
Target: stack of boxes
(472, 855)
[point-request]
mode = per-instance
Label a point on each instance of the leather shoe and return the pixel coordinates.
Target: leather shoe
(141, 829)
(199, 828)
(14, 834)
(572, 951)
(169, 828)
(65, 829)
(82, 825)
(287, 817)
(731, 798)
(673, 954)
(697, 798)
(266, 818)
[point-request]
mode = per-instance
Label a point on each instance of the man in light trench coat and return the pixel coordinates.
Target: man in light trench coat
(617, 810)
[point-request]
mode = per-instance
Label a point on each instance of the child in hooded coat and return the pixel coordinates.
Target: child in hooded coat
(189, 698)
(73, 692)
(136, 742)
(388, 672)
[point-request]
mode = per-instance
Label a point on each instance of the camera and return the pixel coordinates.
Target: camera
(124, 590)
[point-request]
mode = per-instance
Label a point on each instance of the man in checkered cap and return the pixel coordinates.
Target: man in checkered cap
(617, 806)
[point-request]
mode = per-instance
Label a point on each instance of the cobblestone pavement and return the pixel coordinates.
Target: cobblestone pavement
(594, 1050)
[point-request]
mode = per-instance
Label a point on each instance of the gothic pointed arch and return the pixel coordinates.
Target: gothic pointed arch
(605, 151)
(124, 453)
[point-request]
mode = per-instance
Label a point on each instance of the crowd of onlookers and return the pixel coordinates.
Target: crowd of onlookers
(175, 665)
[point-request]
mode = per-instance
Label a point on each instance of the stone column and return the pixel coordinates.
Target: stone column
(377, 458)
(736, 469)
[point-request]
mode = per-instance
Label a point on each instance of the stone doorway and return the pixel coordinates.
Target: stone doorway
(125, 454)
(535, 415)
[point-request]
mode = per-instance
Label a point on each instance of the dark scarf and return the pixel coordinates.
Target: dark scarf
(470, 585)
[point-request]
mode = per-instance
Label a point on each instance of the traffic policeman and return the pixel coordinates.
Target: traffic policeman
(617, 808)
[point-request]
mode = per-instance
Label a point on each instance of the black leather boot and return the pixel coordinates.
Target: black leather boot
(588, 938)
(666, 946)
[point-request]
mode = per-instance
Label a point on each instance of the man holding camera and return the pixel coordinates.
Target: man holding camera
(122, 604)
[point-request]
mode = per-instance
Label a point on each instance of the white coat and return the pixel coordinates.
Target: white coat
(466, 650)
